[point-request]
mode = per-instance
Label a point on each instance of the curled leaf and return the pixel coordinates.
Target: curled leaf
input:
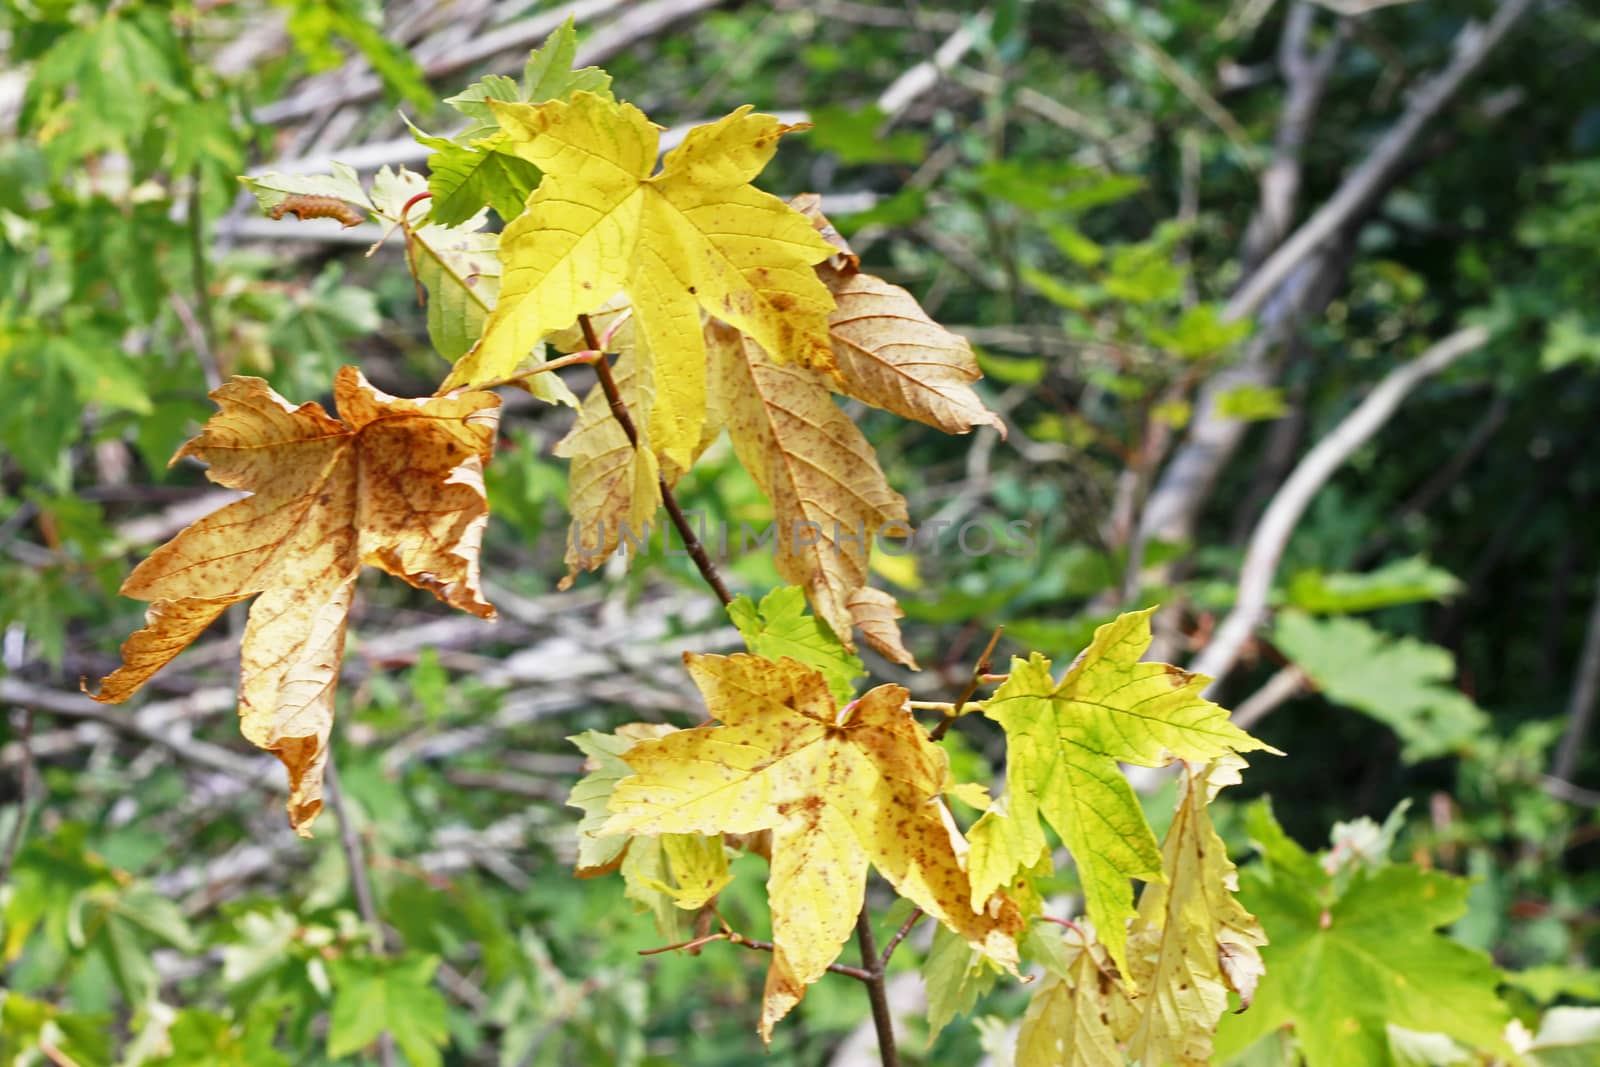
(392, 482)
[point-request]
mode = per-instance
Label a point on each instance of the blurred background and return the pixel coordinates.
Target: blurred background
(1289, 307)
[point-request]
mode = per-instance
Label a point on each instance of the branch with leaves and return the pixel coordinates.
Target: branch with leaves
(725, 309)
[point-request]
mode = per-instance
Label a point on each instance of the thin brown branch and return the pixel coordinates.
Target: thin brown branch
(860, 974)
(980, 674)
(899, 936)
(619, 411)
(882, 1019)
(686, 946)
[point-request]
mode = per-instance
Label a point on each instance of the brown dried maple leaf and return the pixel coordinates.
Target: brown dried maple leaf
(397, 484)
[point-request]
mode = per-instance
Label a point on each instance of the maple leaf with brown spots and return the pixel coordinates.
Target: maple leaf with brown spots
(392, 482)
(839, 788)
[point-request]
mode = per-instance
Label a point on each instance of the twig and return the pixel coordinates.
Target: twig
(355, 859)
(1580, 708)
(860, 974)
(980, 674)
(1306, 81)
(1272, 533)
(882, 1020)
(68, 705)
(1565, 791)
(619, 411)
(513, 37)
(899, 936)
(919, 79)
(24, 787)
(1284, 685)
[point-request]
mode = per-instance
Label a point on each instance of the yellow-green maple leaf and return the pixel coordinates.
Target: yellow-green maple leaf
(839, 789)
(696, 235)
(1192, 940)
(1073, 1014)
(1064, 741)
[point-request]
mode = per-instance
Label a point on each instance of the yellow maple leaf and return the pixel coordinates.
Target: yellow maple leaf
(839, 789)
(1192, 940)
(696, 235)
(666, 875)
(613, 488)
(394, 483)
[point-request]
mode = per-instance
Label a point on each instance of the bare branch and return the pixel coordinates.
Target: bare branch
(1287, 684)
(1307, 78)
(1382, 165)
(1300, 275)
(1580, 707)
(641, 20)
(355, 861)
(200, 753)
(920, 79)
(1289, 504)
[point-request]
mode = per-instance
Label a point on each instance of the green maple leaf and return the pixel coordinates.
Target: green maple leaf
(372, 996)
(477, 166)
(1405, 684)
(782, 627)
(1064, 741)
(1346, 961)
(464, 178)
(956, 975)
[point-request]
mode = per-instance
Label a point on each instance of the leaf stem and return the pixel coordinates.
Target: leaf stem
(980, 674)
(555, 364)
(860, 973)
(689, 946)
(619, 411)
